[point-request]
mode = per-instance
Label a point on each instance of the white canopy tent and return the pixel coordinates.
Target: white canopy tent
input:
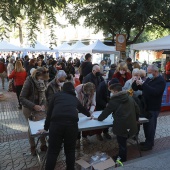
(159, 44)
(38, 47)
(5, 46)
(63, 46)
(72, 49)
(97, 47)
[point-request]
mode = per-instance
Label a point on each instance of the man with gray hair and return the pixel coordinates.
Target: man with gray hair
(152, 89)
(94, 77)
(55, 85)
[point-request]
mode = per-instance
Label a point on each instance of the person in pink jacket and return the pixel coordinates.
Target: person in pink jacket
(86, 93)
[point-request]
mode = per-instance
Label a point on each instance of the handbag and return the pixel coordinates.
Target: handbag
(13, 86)
(37, 115)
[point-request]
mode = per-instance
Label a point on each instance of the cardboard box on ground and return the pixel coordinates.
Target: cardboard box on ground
(97, 161)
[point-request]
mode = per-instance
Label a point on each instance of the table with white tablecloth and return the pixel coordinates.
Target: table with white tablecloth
(84, 123)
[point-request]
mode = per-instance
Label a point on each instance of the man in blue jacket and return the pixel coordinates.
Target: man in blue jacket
(152, 89)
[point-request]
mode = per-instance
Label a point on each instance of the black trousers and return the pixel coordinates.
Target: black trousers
(18, 91)
(60, 132)
(122, 147)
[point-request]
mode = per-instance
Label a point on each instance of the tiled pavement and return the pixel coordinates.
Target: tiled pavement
(14, 143)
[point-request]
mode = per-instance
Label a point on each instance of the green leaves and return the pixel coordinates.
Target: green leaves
(120, 16)
(30, 11)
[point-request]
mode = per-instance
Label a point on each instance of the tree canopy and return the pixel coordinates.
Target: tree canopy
(31, 11)
(121, 16)
(132, 17)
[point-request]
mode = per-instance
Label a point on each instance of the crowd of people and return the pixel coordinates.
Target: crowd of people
(49, 89)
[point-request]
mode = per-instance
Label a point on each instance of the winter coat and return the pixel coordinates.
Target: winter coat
(52, 73)
(102, 95)
(64, 107)
(121, 79)
(152, 90)
(111, 73)
(2, 67)
(128, 86)
(91, 101)
(86, 68)
(29, 94)
(125, 113)
(93, 79)
(52, 88)
(10, 68)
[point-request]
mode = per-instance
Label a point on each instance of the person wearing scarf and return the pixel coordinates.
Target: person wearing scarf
(33, 99)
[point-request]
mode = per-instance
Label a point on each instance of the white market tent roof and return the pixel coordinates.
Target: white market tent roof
(38, 47)
(63, 46)
(159, 44)
(72, 49)
(5, 46)
(97, 47)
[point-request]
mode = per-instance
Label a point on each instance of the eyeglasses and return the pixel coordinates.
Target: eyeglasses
(45, 72)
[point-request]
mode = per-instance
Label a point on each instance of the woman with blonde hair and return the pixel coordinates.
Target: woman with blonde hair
(136, 65)
(122, 73)
(19, 75)
(33, 101)
(86, 93)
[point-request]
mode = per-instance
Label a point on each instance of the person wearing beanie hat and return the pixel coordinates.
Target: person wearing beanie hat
(55, 85)
(102, 98)
(62, 123)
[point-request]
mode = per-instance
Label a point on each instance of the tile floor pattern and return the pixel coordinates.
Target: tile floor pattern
(14, 143)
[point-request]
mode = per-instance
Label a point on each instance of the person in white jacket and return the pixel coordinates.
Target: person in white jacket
(128, 85)
(10, 68)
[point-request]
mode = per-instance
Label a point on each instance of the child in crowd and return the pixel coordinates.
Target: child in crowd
(125, 113)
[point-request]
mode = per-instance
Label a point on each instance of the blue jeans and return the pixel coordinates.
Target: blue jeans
(150, 128)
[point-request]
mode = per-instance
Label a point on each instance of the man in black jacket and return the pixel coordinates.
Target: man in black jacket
(26, 62)
(62, 118)
(86, 67)
(152, 90)
(94, 77)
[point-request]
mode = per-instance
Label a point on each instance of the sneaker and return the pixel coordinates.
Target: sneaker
(43, 148)
(33, 151)
(86, 141)
(99, 137)
(117, 157)
(107, 136)
(78, 143)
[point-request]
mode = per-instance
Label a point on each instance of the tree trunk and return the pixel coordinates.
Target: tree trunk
(20, 34)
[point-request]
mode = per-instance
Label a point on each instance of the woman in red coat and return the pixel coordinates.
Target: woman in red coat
(122, 73)
(19, 75)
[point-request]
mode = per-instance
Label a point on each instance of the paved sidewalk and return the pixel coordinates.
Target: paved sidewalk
(156, 161)
(14, 142)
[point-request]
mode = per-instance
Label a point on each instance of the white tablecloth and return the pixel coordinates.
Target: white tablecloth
(85, 123)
